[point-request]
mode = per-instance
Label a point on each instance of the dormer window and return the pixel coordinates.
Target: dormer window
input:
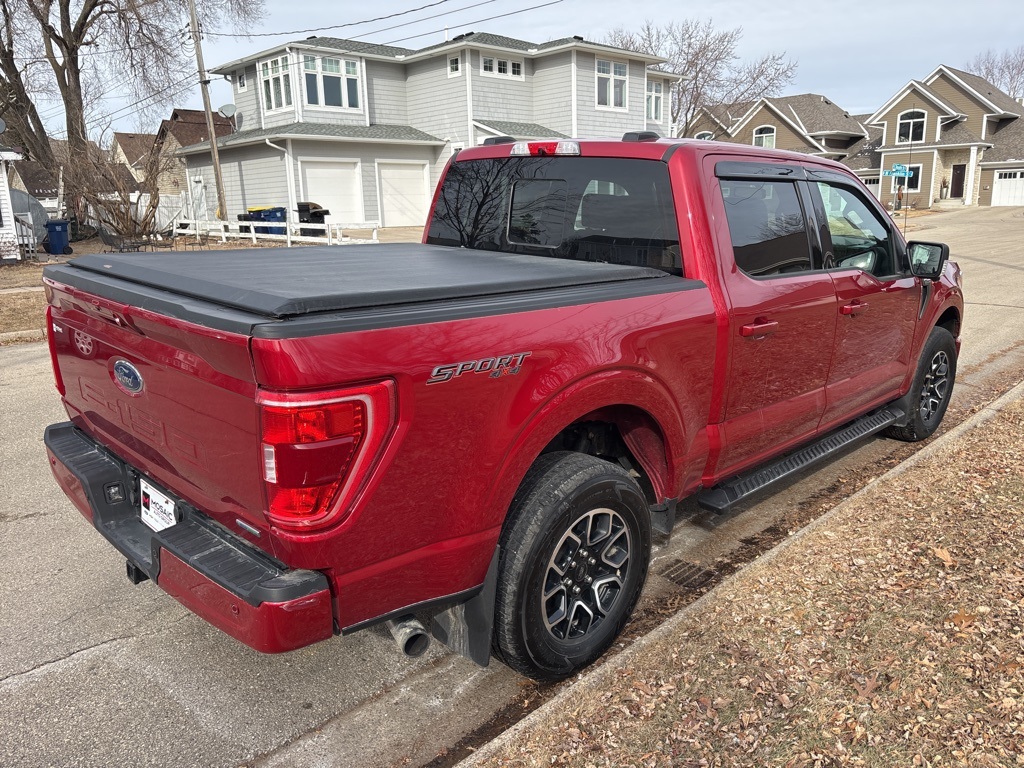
(704, 136)
(495, 67)
(910, 127)
(277, 84)
(331, 82)
(764, 136)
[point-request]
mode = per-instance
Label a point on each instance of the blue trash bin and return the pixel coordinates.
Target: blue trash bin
(275, 214)
(57, 237)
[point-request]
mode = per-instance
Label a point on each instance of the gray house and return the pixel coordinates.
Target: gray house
(365, 130)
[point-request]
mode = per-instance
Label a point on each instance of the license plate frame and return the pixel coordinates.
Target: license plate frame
(157, 510)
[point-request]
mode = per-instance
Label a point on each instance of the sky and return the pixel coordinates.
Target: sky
(856, 55)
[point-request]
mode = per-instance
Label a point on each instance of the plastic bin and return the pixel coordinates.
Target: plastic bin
(57, 237)
(244, 228)
(312, 213)
(256, 214)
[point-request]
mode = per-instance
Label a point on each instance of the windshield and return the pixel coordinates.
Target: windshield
(585, 208)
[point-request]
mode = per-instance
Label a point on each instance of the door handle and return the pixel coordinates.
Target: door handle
(853, 308)
(760, 327)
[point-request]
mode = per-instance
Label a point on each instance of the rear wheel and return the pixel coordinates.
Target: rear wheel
(932, 387)
(574, 559)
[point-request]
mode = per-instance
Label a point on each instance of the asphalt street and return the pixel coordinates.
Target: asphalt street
(97, 672)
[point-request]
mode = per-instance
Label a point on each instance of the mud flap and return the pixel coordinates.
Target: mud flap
(466, 628)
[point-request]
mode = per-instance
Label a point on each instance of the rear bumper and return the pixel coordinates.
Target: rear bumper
(210, 571)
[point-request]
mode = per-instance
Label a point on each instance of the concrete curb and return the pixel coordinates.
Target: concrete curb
(33, 335)
(600, 677)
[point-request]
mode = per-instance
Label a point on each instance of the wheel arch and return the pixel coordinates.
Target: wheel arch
(631, 406)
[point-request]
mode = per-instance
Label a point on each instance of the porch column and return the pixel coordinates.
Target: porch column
(969, 198)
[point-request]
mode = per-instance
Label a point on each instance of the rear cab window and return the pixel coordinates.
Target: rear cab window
(615, 210)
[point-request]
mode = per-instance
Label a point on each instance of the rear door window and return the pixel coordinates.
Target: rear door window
(767, 227)
(615, 210)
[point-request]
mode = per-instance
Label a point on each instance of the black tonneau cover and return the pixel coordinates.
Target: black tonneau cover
(287, 282)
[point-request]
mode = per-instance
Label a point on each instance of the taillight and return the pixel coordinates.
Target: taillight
(317, 449)
(51, 342)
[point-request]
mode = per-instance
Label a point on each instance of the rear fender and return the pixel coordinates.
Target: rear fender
(657, 434)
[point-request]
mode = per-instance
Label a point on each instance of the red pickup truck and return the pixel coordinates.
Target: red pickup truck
(480, 431)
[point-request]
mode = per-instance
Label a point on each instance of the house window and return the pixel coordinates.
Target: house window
(501, 67)
(331, 82)
(910, 127)
(704, 136)
(454, 62)
(911, 184)
(765, 137)
(611, 84)
(277, 84)
(655, 89)
(240, 80)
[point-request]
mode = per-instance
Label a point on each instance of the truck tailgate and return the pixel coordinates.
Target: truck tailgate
(175, 399)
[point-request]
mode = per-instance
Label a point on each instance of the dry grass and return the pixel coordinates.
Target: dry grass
(23, 274)
(891, 635)
(22, 311)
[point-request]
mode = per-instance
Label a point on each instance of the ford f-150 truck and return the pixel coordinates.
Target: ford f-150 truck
(481, 431)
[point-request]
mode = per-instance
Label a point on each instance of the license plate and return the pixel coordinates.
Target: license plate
(157, 508)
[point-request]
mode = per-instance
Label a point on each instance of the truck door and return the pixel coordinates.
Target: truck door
(782, 320)
(877, 300)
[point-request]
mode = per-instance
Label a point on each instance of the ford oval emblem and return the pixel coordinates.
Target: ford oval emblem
(127, 377)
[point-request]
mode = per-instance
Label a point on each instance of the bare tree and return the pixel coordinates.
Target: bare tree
(19, 77)
(97, 48)
(707, 58)
(1004, 70)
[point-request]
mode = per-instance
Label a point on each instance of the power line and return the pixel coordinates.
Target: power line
(477, 21)
(326, 29)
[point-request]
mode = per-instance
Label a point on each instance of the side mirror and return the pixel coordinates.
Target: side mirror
(927, 260)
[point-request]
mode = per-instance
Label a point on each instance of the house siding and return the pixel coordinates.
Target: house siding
(594, 122)
(960, 100)
(913, 100)
(436, 102)
(987, 180)
(785, 137)
(501, 98)
(386, 93)
(253, 176)
(247, 102)
(929, 184)
(552, 92)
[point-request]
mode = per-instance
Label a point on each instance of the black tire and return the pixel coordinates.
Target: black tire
(932, 388)
(568, 504)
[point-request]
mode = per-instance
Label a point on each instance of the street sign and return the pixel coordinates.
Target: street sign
(899, 167)
(900, 174)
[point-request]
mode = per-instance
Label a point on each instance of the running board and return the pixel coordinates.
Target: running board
(725, 495)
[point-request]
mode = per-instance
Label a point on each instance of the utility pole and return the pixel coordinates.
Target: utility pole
(204, 84)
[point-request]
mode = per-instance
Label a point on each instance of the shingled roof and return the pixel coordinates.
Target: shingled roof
(188, 126)
(136, 146)
(371, 133)
(985, 88)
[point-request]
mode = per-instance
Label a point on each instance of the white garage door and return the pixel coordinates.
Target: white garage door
(335, 186)
(405, 195)
(1009, 187)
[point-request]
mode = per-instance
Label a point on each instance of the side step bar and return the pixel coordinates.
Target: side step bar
(730, 493)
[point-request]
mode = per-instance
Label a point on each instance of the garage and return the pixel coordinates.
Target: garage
(1008, 188)
(334, 185)
(405, 194)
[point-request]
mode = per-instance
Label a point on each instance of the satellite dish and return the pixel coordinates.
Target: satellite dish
(228, 110)
(3, 125)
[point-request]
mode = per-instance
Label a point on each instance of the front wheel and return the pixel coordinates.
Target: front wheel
(574, 558)
(932, 387)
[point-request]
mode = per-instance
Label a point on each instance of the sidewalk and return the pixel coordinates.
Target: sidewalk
(888, 632)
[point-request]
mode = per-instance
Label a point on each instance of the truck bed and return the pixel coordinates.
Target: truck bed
(282, 283)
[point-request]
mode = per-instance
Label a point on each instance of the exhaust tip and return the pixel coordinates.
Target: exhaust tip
(410, 635)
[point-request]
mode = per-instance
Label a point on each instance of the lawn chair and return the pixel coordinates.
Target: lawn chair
(118, 243)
